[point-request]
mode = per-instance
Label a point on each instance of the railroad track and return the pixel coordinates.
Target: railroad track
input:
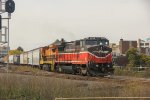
(74, 77)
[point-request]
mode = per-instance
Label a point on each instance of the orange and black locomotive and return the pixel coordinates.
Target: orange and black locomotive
(90, 55)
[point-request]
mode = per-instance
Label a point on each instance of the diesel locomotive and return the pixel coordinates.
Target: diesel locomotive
(88, 56)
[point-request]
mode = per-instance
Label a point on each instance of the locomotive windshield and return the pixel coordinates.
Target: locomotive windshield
(97, 42)
(104, 42)
(91, 42)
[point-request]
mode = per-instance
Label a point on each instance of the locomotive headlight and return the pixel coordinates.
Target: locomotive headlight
(97, 65)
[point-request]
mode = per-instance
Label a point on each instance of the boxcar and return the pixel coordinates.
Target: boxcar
(36, 57)
(21, 58)
(11, 59)
(30, 57)
(16, 59)
(25, 58)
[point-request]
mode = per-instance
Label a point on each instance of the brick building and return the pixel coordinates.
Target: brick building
(119, 59)
(120, 50)
(125, 45)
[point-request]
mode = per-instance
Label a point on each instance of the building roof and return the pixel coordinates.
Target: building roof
(148, 39)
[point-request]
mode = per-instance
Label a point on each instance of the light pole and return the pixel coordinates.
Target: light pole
(9, 6)
(9, 16)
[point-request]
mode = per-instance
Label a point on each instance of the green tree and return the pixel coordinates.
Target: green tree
(137, 59)
(131, 51)
(132, 60)
(133, 57)
(13, 52)
(148, 62)
(145, 60)
(20, 49)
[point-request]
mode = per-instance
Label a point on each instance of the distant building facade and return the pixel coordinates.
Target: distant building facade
(115, 49)
(124, 45)
(3, 51)
(118, 58)
(119, 51)
(144, 46)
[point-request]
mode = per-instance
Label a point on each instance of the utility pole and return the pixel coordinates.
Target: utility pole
(6, 6)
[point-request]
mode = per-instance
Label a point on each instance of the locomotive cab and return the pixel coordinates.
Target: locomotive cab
(95, 41)
(98, 46)
(94, 44)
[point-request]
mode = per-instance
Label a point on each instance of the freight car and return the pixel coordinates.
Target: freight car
(88, 56)
(31, 57)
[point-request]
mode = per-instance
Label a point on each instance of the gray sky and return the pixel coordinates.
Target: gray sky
(39, 22)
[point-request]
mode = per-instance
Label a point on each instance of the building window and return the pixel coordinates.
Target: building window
(77, 42)
(141, 44)
(147, 44)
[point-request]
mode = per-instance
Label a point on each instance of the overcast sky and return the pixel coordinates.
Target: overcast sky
(40, 22)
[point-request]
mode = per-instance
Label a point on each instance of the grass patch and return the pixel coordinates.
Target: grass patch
(26, 87)
(125, 72)
(25, 69)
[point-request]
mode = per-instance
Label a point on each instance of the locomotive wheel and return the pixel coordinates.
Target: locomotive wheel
(83, 71)
(111, 73)
(40, 67)
(74, 68)
(60, 69)
(91, 72)
(46, 67)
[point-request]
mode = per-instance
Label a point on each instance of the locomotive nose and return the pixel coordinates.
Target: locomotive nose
(100, 51)
(96, 48)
